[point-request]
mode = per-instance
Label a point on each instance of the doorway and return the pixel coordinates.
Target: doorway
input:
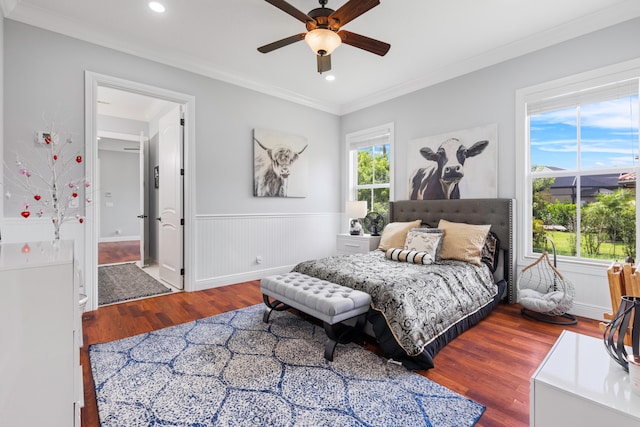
(116, 107)
(122, 189)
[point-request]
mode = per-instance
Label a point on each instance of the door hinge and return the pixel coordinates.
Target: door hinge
(181, 122)
(182, 271)
(181, 221)
(181, 171)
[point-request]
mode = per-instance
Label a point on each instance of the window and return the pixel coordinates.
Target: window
(370, 168)
(580, 160)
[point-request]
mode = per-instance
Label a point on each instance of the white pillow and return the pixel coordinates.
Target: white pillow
(427, 240)
(415, 257)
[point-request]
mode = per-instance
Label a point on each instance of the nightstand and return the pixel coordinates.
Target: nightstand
(579, 384)
(348, 244)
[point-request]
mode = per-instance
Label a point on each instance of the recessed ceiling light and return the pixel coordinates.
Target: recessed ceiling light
(330, 78)
(156, 6)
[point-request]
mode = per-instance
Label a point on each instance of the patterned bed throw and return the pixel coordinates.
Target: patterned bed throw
(419, 302)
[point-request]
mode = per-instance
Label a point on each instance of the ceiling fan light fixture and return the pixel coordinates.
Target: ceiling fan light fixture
(322, 41)
(156, 6)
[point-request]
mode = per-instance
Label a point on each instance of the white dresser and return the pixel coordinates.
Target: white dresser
(348, 244)
(579, 384)
(40, 335)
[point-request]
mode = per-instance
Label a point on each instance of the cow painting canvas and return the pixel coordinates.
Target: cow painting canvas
(280, 164)
(455, 165)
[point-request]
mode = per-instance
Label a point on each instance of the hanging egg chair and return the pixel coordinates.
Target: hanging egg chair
(545, 295)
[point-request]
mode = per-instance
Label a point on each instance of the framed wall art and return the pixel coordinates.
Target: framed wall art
(281, 164)
(454, 165)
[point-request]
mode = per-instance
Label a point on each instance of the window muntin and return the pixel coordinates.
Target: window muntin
(370, 154)
(583, 159)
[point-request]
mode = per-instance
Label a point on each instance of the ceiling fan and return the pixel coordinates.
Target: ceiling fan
(324, 33)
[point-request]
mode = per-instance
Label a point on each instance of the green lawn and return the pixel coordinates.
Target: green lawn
(563, 239)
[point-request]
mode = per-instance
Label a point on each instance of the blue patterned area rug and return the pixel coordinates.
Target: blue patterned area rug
(234, 370)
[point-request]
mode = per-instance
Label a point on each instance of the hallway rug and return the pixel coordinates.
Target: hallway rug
(123, 282)
(234, 370)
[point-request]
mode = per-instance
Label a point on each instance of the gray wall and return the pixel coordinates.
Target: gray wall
(488, 96)
(119, 194)
(119, 176)
(45, 71)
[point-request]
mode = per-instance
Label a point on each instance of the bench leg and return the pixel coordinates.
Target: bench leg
(342, 335)
(329, 348)
(271, 306)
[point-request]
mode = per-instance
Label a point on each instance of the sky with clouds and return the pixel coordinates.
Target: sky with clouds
(608, 135)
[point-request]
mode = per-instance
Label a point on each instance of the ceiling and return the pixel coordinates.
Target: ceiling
(431, 41)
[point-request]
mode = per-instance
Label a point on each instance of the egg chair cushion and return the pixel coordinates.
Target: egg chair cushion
(540, 302)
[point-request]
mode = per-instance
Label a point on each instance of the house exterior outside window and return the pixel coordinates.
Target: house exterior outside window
(370, 168)
(578, 151)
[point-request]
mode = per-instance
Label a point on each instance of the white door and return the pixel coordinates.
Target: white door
(144, 202)
(170, 253)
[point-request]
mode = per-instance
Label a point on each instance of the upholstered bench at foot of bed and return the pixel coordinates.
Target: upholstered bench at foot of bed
(318, 298)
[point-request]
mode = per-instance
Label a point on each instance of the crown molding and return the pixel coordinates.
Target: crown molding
(7, 6)
(576, 28)
(29, 14)
(38, 17)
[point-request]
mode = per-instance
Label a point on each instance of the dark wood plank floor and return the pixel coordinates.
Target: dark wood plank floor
(491, 363)
(114, 252)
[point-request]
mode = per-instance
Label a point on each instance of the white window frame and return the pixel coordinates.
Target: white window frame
(383, 134)
(557, 88)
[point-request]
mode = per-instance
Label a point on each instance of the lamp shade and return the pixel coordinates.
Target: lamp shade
(322, 41)
(356, 209)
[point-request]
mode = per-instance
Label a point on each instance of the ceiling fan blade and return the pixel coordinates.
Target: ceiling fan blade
(281, 43)
(351, 10)
(287, 8)
(365, 43)
(324, 63)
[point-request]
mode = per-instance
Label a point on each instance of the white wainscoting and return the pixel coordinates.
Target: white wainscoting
(227, 245)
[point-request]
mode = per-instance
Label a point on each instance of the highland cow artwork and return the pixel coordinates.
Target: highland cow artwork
(455, 165)
(280, 164)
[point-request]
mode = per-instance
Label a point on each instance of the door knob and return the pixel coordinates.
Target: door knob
(158, 219)
(142, 216)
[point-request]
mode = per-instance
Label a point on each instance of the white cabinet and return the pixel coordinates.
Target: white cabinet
(40, 331)
(579, 384)
(348, 244)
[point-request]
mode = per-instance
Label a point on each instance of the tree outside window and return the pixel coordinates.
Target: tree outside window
(370, 154)
(373, 178)
(583, 170)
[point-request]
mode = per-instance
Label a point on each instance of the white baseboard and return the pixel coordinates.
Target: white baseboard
(589, 311)
(233, 279)
(118, 239)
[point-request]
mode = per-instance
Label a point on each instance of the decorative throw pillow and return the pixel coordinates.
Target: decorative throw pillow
(463, 241)
(427, 240)
(404, 255)
(395, 233)
(491, 251)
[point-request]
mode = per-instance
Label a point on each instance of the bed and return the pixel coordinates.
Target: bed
(417, 309)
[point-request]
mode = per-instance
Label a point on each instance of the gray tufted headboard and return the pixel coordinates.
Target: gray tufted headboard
(500, 213)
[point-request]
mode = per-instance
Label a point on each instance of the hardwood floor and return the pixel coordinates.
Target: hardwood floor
(491, 363)
(114, 252)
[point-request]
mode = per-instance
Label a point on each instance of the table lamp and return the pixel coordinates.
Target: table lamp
(355, 210)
